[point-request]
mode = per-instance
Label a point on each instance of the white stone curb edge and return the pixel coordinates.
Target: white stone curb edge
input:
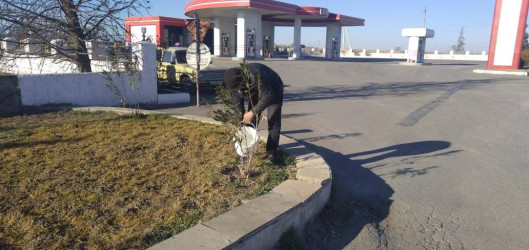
(258, 223)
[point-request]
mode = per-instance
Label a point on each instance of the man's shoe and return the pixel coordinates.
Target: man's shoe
(270, 159)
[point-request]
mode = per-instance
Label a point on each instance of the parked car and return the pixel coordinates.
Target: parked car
(173, 69)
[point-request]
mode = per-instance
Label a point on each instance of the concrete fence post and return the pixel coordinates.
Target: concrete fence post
(31, 46)
(58, 43)
(146, 53)
(10, 44)
(90, 49)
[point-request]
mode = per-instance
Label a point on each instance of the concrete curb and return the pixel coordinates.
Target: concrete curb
(258, 223)
(520, 72)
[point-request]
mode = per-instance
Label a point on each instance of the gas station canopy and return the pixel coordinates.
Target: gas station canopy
(247, 27)
(278, 13)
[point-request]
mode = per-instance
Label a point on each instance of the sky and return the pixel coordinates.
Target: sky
(384, 21)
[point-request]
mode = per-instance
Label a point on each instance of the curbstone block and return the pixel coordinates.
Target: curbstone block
(314, 175)
(245, 219)
(197, 237)
(318, 162)
(297, 191)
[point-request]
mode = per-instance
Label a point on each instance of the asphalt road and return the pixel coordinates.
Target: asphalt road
(431, 157)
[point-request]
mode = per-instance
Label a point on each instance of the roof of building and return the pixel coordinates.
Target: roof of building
(156, 19)
(279, 13)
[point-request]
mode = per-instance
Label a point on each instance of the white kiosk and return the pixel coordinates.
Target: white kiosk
(416, 44)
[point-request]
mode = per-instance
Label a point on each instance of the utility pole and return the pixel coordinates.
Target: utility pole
(197, 38)
(424, 16)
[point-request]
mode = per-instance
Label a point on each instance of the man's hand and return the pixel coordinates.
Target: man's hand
(248, 117)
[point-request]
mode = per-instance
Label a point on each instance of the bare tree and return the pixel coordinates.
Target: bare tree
(75, 21)
(205, 24)
(460, 46)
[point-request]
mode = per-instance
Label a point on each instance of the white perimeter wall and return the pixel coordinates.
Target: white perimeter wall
(435, 56)
(88, 89)
(35, 65)
(92, 89)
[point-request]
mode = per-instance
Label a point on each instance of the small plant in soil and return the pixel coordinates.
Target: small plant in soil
(230, 115)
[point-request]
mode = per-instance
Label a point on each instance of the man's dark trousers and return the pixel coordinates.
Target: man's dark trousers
(274, 127)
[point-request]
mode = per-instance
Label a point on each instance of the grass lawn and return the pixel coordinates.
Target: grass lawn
(101, 180)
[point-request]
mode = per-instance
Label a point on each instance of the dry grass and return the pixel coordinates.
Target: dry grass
(100, 180)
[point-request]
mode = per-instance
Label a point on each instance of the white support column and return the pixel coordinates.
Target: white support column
(413, 50)
(268, 32)
(233, 35)
(249, 24)
(272, 41)
(224, 27)
(217, 30)
(332, 45)
(258, 36)
(241, 35)
(297, 39)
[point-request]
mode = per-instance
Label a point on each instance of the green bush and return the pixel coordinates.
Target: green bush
(525, 59)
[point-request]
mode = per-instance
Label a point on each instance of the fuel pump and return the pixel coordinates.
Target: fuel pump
(334, 47)
(250, 52)
(226, 44)
(267, 46)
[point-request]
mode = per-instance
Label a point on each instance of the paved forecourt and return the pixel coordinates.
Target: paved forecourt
(421, 157)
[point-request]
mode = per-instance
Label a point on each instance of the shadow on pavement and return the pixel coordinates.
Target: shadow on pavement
(408, 149)
(343, 59)
(380, 89)
(360, 198)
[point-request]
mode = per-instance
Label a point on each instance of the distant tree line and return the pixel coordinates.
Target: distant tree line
(460, 45)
